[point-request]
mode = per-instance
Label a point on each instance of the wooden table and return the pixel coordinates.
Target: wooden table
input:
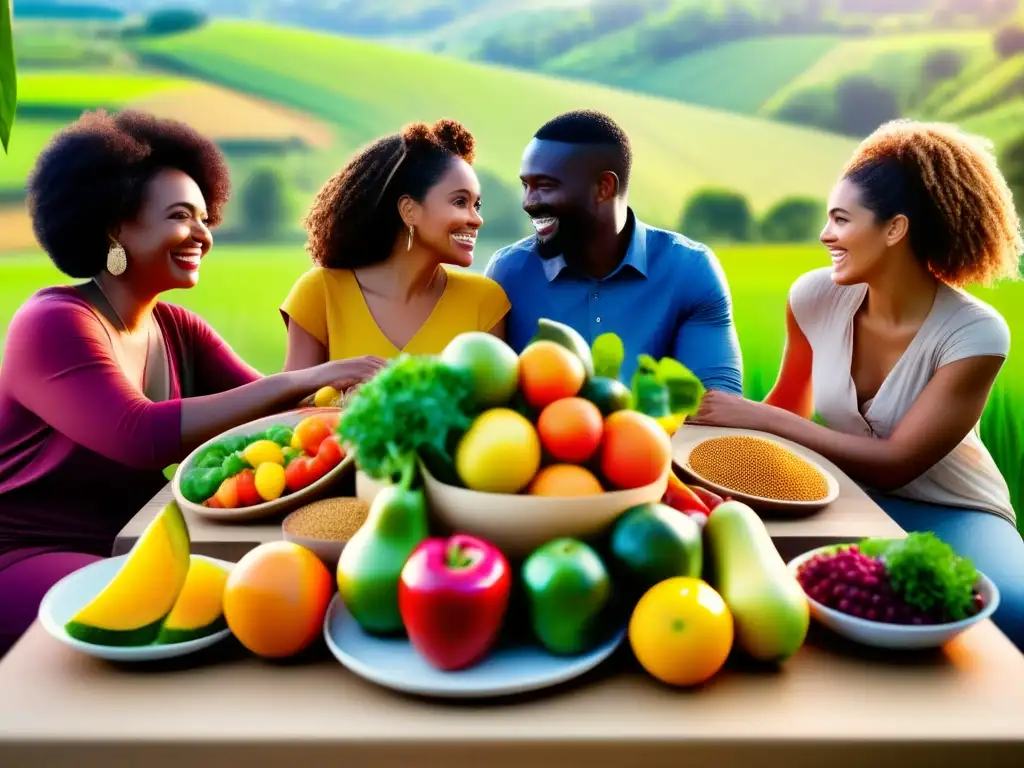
(832, 705)
(850, 517)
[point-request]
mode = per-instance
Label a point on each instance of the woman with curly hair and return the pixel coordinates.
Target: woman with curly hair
(102, 384)
(382, 234)
(894, 357)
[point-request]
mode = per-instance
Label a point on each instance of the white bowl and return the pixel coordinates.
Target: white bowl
(67, 597)
(279, 506)
(896, 636)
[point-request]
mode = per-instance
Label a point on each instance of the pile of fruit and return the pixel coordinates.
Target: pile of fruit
(914, 581)
(244, 471)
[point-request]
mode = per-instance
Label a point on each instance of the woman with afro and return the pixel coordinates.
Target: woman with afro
(894, 356)
(102, 383)
(384, 234)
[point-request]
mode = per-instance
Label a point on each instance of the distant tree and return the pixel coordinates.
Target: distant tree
(942, 65)
(1009, 41)
(169, 21)
(264, 204)
(793, 220)
(1012, 165)
(862, 105)
(716, 214)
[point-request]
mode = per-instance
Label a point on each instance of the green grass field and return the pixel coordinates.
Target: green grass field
(678, 147)
(738, 76)
(242, 287)
(1001, 83)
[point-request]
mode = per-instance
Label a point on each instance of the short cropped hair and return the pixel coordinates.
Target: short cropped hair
(93, 173)
(587, 126)
(963, 223)
(354, 219)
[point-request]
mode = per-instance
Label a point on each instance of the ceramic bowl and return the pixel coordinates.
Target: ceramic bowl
(896, 636)
(280, 506)
(518, 523)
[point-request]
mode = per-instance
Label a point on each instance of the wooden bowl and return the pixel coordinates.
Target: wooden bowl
(519, 523)
(280, 506)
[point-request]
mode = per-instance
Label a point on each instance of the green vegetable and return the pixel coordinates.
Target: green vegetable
(927, 573)
(608, 352)
(279, 434)
(233, 464)
(199, 484)
(683, 390)
(290, 454)
(413, 402)
(213, 456)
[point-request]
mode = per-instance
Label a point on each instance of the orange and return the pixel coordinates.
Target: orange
(564, 480)
(549, 372)
(570, 429)
(681, 631)
(635, 451)
(276, 597)
(312, 430)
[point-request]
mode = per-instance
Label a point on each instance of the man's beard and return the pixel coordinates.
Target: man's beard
(570, 241)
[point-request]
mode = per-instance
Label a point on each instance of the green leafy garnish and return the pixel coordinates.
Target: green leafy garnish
(412, 404)
(684, 390)
(608, 353)
(927, 573)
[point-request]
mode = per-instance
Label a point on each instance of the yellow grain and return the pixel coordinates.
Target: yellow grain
(334, 519)
(757, 467)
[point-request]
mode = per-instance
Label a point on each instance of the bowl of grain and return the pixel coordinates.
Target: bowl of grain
(325, 526)
(756, 469)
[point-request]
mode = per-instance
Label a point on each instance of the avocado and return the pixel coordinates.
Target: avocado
(652, 542)
(769, 607)
(568, 337)
(609, 395)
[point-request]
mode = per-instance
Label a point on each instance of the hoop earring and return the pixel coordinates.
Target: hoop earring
(408, 245)
(117, 259)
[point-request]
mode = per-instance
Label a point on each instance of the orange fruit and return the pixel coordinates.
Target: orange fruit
(312, 430)
(681, 631)
(549, 372)
(635, 450)
(276, 597)
(564, 480)
(570, 429)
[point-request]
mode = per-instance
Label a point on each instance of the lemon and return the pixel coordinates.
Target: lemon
(500, 452)
(269, 480)
(326, 396)
(263, 452)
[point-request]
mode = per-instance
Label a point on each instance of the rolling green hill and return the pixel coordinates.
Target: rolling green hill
(367, 89)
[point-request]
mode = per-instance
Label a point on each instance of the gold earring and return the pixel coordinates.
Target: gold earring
(117, 259)
(408, 246)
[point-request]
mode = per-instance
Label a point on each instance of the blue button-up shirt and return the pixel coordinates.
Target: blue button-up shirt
(668, 298)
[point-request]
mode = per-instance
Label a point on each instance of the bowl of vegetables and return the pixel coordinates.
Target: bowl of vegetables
(519, 449)
(265, 467)
(910, 593)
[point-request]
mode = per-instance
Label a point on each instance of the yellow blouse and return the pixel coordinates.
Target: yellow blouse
(329, 305)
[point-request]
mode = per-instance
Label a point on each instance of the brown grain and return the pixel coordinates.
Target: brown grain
(334, 519)
(757, 467)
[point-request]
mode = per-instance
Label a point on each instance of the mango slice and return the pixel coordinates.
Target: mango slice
(199, 610)
(130, 610)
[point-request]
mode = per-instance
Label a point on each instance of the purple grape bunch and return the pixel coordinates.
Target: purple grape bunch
(851, 582)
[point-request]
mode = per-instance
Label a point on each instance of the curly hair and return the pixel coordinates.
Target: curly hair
(354, 220)
(963, 223)
(93, 174)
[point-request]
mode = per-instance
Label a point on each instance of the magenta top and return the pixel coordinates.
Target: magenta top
(81, 449)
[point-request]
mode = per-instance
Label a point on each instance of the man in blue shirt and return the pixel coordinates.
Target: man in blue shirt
(593, 265)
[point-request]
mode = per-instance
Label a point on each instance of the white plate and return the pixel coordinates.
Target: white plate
(688, 438)
(896, 636)
(70, 594)
(394, 663)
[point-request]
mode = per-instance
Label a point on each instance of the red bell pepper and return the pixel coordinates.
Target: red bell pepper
(453, 594)
(710, 499)
(681, 497)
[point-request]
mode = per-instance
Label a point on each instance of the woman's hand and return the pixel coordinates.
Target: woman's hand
(342, 374)
(722, 409)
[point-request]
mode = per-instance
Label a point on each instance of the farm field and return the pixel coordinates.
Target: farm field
(242, 286)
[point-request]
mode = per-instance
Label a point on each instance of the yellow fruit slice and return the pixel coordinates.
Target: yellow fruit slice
(131, 608)
(199, 610)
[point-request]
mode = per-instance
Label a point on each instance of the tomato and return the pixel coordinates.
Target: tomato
(312, 431)
(303, 471)
(330, 453)
(227, 494)
(245, 482)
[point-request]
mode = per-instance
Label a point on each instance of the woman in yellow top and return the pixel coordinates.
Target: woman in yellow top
(384, 233)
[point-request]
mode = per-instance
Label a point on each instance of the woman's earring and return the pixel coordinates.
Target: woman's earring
(408, 245)
(117, 259)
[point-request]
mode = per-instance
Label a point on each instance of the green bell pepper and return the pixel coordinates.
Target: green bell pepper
(199, 483)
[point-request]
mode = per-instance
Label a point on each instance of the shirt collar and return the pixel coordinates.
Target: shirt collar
(636, 254)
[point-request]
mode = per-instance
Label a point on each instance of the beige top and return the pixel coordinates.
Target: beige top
(958, 326)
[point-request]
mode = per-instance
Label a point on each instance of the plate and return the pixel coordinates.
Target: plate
(394, 663)
(896, 636)
(279, 506)
(65, 598)
(689, 438)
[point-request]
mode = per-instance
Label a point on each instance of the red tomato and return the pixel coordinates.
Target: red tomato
(245, 483)
(301, 472)
(330, 453)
